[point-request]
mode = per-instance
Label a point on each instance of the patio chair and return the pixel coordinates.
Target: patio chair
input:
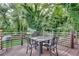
(52, 45)
(32, 44)
(37, 33)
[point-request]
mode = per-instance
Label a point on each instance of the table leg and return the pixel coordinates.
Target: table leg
(40, 48)
(47, 47)
(35, 45)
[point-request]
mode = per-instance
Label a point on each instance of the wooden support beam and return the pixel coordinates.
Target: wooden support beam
(72, 40)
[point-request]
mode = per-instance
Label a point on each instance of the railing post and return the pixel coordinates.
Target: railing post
(21, 39)
(72, 40)
(21, 42)
(1, 38)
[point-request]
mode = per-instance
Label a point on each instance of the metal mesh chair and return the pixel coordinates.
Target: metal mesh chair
(52, 45)
(32, 44)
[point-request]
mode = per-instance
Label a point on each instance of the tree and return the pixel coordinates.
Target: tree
(4, 20)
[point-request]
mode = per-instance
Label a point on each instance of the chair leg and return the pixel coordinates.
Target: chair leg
(31, 51)
(27, 50)
(56, 52)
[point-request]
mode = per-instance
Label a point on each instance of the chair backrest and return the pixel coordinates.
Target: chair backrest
(54, 41)
(36, 33)
(28, 40)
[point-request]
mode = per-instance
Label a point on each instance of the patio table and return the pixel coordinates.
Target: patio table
(40, 40)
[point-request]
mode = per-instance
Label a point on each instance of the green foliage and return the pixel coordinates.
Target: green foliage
(40, 17)
(73, 10)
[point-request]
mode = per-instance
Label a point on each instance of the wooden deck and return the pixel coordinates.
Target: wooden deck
(21, 51)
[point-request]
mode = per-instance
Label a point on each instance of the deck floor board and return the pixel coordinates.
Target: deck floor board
(21, 51)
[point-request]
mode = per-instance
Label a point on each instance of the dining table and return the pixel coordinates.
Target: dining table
(41, 40)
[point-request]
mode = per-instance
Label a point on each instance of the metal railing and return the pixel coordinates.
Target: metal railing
(64, 37)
